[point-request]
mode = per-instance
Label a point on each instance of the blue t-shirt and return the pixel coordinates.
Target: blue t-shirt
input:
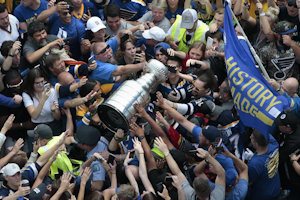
(104, 70)
(75, 30)
(98, 170)
(26, 14)
(263, 173)
(239, 192)
(170, 15)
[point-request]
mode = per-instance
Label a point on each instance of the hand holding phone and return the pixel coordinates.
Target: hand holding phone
(111, 159)
(209, 42)
(132, 154)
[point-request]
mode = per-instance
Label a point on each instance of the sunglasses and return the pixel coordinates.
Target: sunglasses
(103, 50)
(292, 5)
(197, 89)
(66, 13)
(14, 86)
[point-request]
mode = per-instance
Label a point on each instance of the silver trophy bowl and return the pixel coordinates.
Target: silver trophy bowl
(118, 109)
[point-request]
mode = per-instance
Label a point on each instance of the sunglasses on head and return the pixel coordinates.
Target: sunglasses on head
(103, 50)
(292, 5)
(16, 85)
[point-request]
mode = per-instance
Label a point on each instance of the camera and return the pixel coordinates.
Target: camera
(67, 41)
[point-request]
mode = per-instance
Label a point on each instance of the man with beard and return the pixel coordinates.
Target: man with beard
(63, 24)
(39, 43)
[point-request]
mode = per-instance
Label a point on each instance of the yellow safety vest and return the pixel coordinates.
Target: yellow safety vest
(62, 161)
(179, 34)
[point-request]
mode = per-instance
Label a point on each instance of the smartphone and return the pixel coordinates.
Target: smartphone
(297, 152)
(25, 183)
(163, 51)
(67, 41)
(209, 42)
(47, 86)
(172, 69)
(138, 52)
(91, 59)
(168, 179)
(131, 155)
(111, 159)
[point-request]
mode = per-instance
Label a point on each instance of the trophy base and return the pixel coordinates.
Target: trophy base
(112, 118)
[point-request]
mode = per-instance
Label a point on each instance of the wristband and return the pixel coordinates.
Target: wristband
(168, 153)
(141, 137)
(262, 14)
(293, 161)
(10, 55)
(118, 139)
(279, 88)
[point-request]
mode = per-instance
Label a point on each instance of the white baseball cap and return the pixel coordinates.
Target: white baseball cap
(95, 24)
(155, 33)
(10, 169)
(189, 16)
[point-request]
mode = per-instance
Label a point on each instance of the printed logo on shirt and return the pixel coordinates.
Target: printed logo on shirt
(62, 33)
(272, 163)
(95, 167)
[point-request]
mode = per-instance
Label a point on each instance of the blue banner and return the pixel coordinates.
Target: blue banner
(258, 104)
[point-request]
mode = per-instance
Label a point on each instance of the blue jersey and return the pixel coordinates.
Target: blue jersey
(182, 88)
(85, 6)
(170, 15)
(74, 30)
(264, 181)
(26, 14)
(138, 6)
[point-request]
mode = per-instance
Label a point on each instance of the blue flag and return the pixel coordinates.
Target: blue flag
(258, 104)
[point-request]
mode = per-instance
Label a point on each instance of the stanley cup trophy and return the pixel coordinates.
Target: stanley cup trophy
(118, 109)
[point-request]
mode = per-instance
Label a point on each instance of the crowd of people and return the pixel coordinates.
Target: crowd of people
(61, 59)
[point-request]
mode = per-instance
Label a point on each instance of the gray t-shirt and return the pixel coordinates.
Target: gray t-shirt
(163, 24)
(124, 25)
(217, 194)
(30, 46)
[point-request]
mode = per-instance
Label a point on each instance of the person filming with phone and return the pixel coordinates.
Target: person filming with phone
(40, 99)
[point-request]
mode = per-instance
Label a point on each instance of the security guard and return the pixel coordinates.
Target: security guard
(187, 29)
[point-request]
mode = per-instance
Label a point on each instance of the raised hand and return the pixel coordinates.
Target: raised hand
(18, 145)
(8, 123)
(137, 145)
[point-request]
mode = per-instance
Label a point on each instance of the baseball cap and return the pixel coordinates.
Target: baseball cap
(10, 169)
(38, 192)
(155, 33)
(229, 168)
(211, 133)
(287, 119)
(189, 16)
(284, 27)
(161, 45)
(41, 131)
(209, 107)
(88, 135)
(291, 1)
(95, 24)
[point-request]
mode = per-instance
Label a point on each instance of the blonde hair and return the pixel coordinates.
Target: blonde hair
(273, 13)
(162, 4)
